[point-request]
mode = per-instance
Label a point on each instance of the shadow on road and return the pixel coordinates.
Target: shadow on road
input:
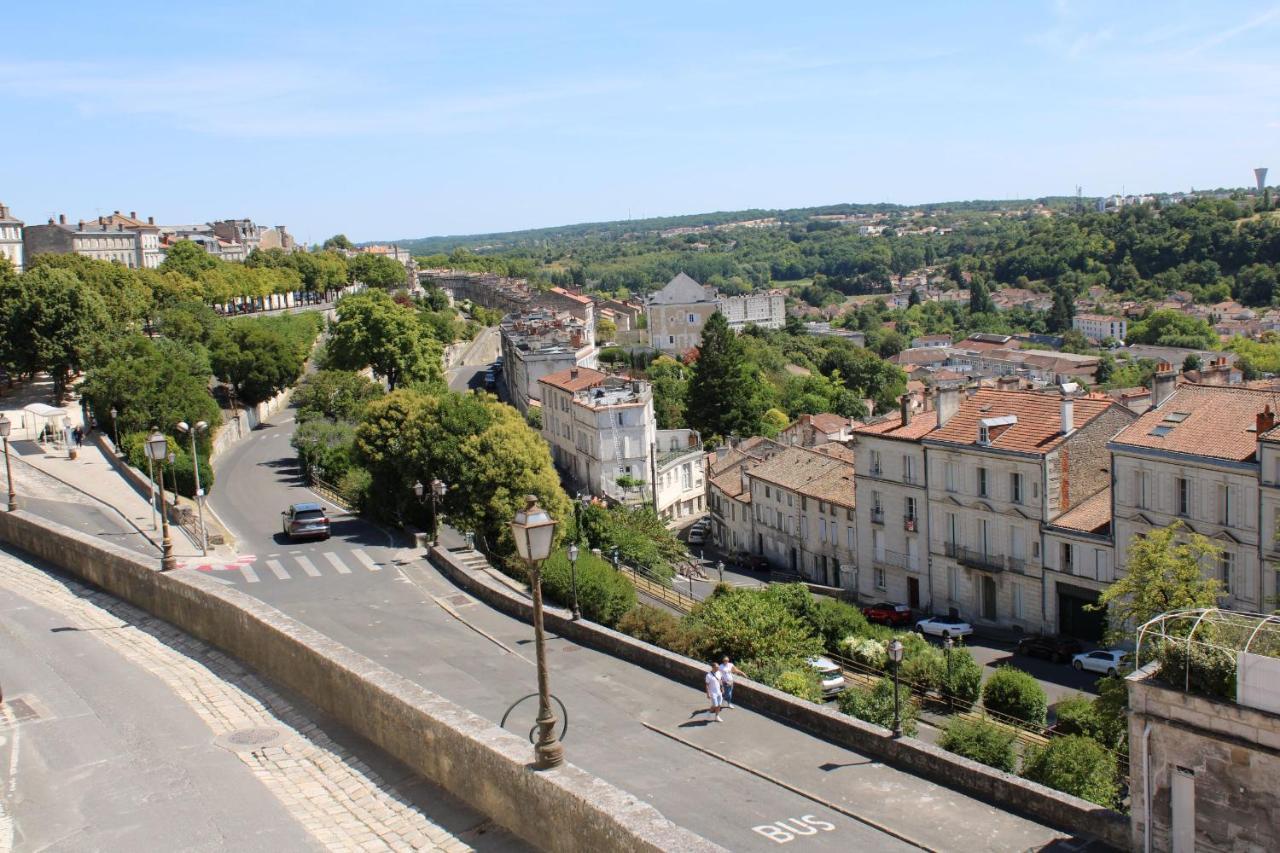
(1055, 673)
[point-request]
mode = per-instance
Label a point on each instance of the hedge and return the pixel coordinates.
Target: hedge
(604, 595)
(982, 741)
(1017, 694)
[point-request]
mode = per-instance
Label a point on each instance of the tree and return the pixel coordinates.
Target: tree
(1256, 284)
(152, 383)
(915, 298)
(722, 399)
(670, 382)
(257, 361)
(1016, 694)
(604, 596)
(606, 329)
(338, 241)
(982, 741)
(875, 705)
(187, 259)
(1164, 571)
(866, 374)
(371, 330)
(1168, 328)
(980, 296)
(377, 271)
(1191, 362)
(961, 678)
(334, 394)
(1062, 311)
(51, 322)
(749, 626)
(640, 537)
(1074, 765)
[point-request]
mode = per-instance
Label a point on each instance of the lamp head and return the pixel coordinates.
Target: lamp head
(533, 530)
(114, 413)
(201, 426)
(157, 446)
(182, 427)
(895, 650)
(573, 553)
(5, 426)
(418, 488)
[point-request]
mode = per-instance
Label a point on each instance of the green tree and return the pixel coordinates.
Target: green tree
(371, 330)
(257, 361)
(982, 741)
(1256, 284)
(334, 394)
(961, 678)
(1077, 766)
(338, 241)
(1191, 362)
(1164, 571)
(980, 296)
(1016, 694)
(187, 259)
(866, 374)
(152, 383)
(377, 271)
(52, 322)
(1062, 311)
(875, 705)
(641, 538)
(722, 396)
(325, 447)
(749, 626)
(670, 380)
(1168, 328)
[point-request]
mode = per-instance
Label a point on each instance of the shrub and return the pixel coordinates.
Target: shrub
(982, 741)
(1075, 765)
(1076, 716)
(791, 676)
(875, 705)
(1016, 694)
(961, 677)
(655, 625)
(866, 651)
(835, 621)
(355, 486)
(924, 669)
(179, 475)
(749, 625)
(604, 595)
(1208, 670)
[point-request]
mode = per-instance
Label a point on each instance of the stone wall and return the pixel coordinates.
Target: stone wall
(485, 766)
(1228, 756)
(945, 768)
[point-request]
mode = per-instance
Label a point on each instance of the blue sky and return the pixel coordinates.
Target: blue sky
(404, 119)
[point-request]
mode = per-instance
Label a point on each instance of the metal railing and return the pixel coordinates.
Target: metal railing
(329, 492)
(655, 587)
(909, 523)
(984, 560)
(895, 560)
(877, 516)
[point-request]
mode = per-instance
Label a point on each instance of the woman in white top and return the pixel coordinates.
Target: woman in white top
(714, 692)
(727, 672)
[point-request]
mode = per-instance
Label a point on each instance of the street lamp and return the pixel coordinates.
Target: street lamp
(200, 426)
(949, 644)
(115, 427)
(5, 426)
(158, 451)
(615, 559)
(895, 655)
(573, 579)
(471, 540)
(439, 488)
(533, 530)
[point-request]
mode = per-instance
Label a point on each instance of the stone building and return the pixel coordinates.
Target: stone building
(729, 492)
(677, 313)
(573, 304)
(1079, 563)
(90, 239)
(811, 430)
(538, 343)
(148, 236)
(10, 238)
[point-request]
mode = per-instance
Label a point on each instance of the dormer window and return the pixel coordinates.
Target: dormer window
(984, 434)
(989, 429)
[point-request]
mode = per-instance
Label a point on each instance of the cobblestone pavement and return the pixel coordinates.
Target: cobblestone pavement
(342, 802)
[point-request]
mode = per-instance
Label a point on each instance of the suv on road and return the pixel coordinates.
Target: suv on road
(305, 521)
(887, 613)
(1056, 649)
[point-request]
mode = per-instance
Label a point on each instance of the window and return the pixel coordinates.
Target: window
(1100, 568)
(879, 575)
(692, 319)
(848, 534)
(1224, 503)
(876, 507)
(1140, 488)
(822, 530)
(953, 583)
(1015, 487)
(908, 469)
(984, 434)
(766, 491)
(1184, 496)
(982, 482)
(1227, 566)
(1066, 558)
(875, 462)
(950, 472)
(1017, 601)
(789, 499)
(909, 509)
(671, 339)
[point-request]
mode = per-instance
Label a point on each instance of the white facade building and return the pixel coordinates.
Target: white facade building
(10, 238)
(677, 313)
(1099, 327)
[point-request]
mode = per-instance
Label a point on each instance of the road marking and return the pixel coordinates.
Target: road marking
(365, 560)
(308, 567)
(274, 566)
(337, 563)
(249, 574)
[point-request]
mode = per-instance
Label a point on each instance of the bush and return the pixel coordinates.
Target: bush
(749, 625)
(791, 676)
(655, 625)
(875, 705)
(355, 487)
(1017, 694)
(866, 651)
(982, 741)
(961, 677)
(339, 395)
(604, 596)
(924, 669)
(1074, 765)
(835, 621)
(1207, 670)
(1076, 716)
(179, 475)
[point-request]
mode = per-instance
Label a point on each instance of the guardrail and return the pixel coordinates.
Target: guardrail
(329, 492)
(655, 587)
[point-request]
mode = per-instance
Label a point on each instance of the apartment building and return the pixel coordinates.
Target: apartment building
(10, 238)
(1079, 563)
(680, 474)
(1099, 327)
(539, 343)
(729, 492)
(575, 304)
(1269, 507)
(151, 252)
(892, 515)
(90, 239)
(676, 314)
(802, 515)
(1195, 458)
(766, 310)
(812, 430)
(1000, 464)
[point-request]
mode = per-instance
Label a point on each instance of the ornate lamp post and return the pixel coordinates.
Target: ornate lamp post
(533, 530)
(115, 427)
(158, 452)
(471, 540)
(439, 488)
(615, 559)
(573, 579)
(5, 426)
(895, 655)
(200, 426)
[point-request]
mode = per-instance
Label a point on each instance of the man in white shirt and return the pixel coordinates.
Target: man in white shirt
(714, 691)
(727, 672)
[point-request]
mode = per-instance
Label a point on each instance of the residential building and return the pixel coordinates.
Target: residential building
(152, 255)
(277, 237)
(1194, 458)
(1269, 508)
(729, 492)
(574, 304)
(892, 528)
(1100, 327)
(1000, 464)
(509, 295)
(680, 473)
(90, 239)
(676, 314)
(243, 231)
(10, 238)
(1079, 563)
(766, 310)
(811, 430)
(538, 343)
(931, 341)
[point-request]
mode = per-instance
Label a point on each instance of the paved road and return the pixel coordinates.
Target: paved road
(402, 613)
(483, 351)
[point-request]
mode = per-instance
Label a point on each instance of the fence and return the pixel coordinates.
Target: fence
(655, 587)
(329, 492)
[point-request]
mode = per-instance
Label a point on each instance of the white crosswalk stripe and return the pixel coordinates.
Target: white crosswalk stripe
(308, 566)
(365, 560)
(249, 574)
(337, 563)
(277, 569)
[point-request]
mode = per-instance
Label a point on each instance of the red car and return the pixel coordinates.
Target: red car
(888, 614)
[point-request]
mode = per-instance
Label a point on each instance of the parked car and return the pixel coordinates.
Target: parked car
(944, 626)
(698, 531)
(490, 380)
(888, 614)
(305, 521)
(1105, 661)
(831, 675)
(1056, 649)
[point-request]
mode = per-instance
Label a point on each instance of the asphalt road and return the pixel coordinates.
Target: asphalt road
(483, 351)
(366, 590)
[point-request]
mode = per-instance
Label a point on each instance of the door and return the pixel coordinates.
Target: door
(913, 593)
(793, 560)
(1182, 805)
(1074, 620)
(988, 587)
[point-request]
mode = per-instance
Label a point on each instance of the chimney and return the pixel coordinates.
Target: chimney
(1068, 408)
(1266, 419)
(117, 213)
(948, 404)
(1163, 384)
(133, 214)
(62, 219)
(151, 220)
(573, 373)
(906, 410)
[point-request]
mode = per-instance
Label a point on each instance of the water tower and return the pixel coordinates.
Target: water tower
(1260, 174)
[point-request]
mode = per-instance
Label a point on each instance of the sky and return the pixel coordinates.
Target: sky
(393, 120)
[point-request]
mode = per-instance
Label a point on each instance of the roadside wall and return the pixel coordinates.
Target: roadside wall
(566, 809)
(246, 420)
(1001, 789)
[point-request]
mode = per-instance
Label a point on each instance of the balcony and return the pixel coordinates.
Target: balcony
(896, 560)
(909, 524)
(983, 560)
(877, 515)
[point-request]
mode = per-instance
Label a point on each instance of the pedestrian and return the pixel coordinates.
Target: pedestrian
(79, 436)
(714, 692)
(727, 672)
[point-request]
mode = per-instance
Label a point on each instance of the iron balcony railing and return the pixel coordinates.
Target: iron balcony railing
(896, 560)
(909, 523)
(877, 515)
(984, 560)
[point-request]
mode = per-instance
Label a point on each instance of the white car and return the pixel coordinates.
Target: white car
(944, 626)
(1105, 661)
(698, 532)
(831, 675)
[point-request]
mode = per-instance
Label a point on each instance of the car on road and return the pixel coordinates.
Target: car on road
(1056, 649)
(698, 532)
(887, 613)
(1105, 661)
(490, 380)
(831, 676)
(305, 521)
(944, 626)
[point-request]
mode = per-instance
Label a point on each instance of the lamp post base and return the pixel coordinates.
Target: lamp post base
(548, 756)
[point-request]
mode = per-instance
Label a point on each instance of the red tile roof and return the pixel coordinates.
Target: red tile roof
(1218, 421)
(573, 379)
(1092, 515)
(576, 297)
(1039, 423)
(891, 427)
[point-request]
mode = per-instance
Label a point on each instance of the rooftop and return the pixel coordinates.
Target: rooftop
(1092, 515)
(1038, 428)
(1215, 421)
(574, 379)
(817, 473)
(891, 427)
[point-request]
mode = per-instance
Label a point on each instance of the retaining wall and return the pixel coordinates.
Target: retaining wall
(485, 766)
(946, 768)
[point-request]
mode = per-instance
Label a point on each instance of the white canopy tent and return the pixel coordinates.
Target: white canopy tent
(45, 422)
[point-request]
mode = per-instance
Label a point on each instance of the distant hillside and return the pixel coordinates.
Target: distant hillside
(618, 228)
